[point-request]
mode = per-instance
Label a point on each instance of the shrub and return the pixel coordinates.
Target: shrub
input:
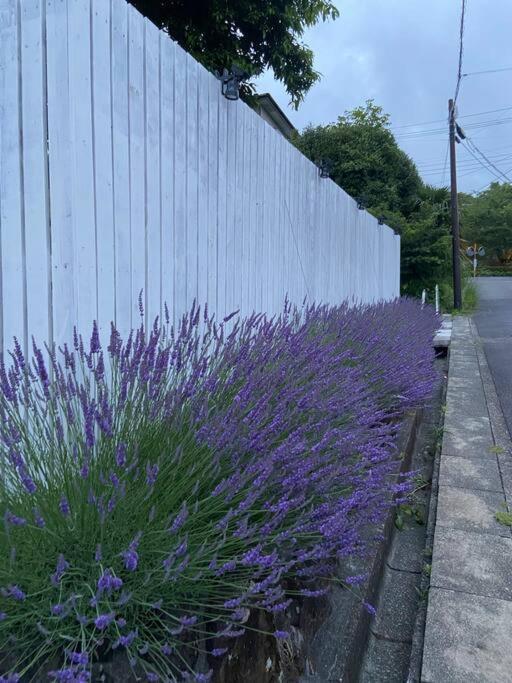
(156, 493)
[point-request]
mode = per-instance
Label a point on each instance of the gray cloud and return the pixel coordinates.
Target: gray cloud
(403, 54)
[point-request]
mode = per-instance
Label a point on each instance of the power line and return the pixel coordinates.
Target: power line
(464, 163)
(484, 187)
(464, 116)
(470, 143)
(461, 51)
(445, 162)
(433, 132)
(487, 167)
(487, 71)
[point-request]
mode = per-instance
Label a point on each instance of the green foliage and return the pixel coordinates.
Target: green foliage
(504, 517)
(253, 35)
(367, 162)
(487, 220)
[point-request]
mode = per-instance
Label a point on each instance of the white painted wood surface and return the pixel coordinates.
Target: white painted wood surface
(122, 168)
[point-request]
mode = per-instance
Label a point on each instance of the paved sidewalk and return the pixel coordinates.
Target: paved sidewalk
(468, 636)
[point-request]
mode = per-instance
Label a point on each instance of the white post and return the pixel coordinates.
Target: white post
(474, 265)
(423, 297)
(437, 298)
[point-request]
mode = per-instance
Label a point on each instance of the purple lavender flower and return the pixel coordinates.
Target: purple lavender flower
(121, 455)
(103, 621)
(188, 620)
(126, 640)
(16, 593)
(64, 506)
(219, 651)
(131, 559)
(78, 658)
(61, 568)
(95, 339)
(281, 635)
(151, 474)
(98, 553)
(13, 519)
(369, 608)
(108, 582)
(38, 519)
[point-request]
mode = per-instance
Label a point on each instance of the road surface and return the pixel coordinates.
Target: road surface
(494, 323)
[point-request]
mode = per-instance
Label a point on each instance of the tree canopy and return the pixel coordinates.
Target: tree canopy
(368, 164)
(366, 161)
(252, 34)
(487, 220)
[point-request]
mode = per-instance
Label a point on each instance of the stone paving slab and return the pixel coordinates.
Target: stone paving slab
(473, 563)
(470, 510)
(471, 438)
(467, 639)
(471, 473)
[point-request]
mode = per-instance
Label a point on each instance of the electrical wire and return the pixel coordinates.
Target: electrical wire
(445, 163)
(487, 71)
(484, 187)
(461, 50)
(464, 116)
(471, 144)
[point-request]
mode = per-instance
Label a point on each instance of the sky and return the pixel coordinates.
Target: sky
(404, 55)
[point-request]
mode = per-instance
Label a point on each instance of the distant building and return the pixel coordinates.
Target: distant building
(269, 110)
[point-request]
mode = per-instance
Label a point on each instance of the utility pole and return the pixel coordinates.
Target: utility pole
(457, 293)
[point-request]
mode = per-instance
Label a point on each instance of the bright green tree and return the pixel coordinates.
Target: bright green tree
(366, 161)
(487, 220)
(252, 34)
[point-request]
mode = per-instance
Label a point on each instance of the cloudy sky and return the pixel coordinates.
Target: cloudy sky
(404, 55)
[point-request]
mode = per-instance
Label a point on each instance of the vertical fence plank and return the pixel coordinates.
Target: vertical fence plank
(213, 198)
(137, 137)
(231, 201)
(82, 163)
(152, 172)
(103, 172)
(167, 169)
(12, 222)
(59, 164)
(191, 181)
(240, 209)
(224, 104)
(180, 189)
(121, 165)
(35, 180)
(203, 217)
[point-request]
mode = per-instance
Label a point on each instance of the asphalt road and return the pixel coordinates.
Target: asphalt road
(494, 323)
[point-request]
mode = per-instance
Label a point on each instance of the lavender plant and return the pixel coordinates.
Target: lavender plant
(157, 492)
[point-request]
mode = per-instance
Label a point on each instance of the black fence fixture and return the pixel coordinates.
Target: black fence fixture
(380, 220)
(361, 203)
(324, 168)
(230, 82)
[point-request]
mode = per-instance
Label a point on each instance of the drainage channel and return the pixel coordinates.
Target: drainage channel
(395, 639)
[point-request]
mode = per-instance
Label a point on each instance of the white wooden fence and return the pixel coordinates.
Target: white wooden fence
(123, 168)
